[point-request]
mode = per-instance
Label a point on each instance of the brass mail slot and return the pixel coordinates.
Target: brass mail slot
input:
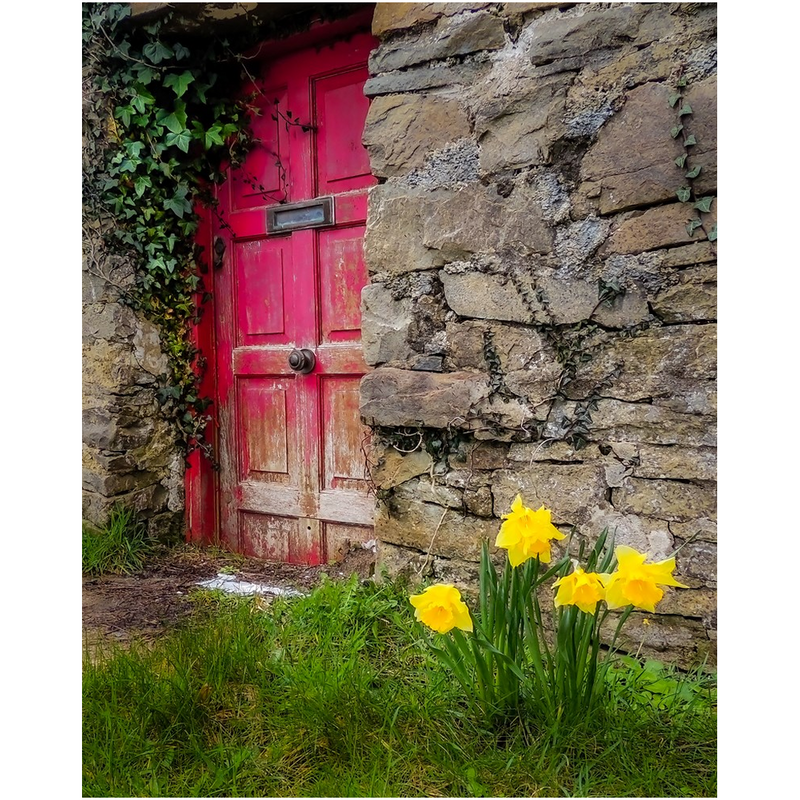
(296, 216)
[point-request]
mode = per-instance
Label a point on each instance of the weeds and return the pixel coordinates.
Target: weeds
(119, 547)
(332, 695)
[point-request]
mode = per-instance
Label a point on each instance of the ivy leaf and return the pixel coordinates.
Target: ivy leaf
(144, 74)
(212, 136)
(141, 183)
(182, 140)
(694, 172)
(179, 83)
(686, 109)
(134, 148)
(156, 52)
(684, 193)
(673, 100)
(200, 90)
(712, 234)
(689, 140)
(681, 160)
(179, 204)
(124, 113)
(681, 82)
(173, 124)
(175, 121)
(693, 225)
(704, 204)
(181, 52)
(142, 97)
(676, 131)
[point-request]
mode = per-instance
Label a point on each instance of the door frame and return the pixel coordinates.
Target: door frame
(201, 479)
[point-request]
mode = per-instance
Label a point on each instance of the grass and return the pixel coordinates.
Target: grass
(120, 547)
(333, 695)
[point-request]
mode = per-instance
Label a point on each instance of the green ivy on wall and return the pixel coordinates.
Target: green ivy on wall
(163, 118)
(691, 171)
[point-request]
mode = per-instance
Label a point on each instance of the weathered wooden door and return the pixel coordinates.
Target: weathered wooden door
(287, 293)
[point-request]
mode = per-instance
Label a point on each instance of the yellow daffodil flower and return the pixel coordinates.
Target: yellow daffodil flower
(527, 533)
(440, 607)
(582, 589)
(636, 583)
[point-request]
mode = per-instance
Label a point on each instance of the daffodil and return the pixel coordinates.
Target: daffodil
(440, 607)
(636, 583)
(582, 589)
(527, 533)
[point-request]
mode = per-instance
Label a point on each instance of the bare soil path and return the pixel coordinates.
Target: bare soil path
(144, 606)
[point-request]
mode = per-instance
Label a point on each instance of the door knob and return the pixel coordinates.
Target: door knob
(302, 361)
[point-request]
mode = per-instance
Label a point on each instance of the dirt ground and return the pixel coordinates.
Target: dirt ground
(143, 606)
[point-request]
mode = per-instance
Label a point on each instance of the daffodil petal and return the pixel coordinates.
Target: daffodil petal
(628, 558)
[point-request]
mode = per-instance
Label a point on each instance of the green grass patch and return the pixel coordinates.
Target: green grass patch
(120, 547)
(333, 695)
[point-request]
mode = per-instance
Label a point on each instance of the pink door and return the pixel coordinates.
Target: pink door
(288, 288)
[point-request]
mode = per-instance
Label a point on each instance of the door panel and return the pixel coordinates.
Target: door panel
(343, 274)
(292, 468)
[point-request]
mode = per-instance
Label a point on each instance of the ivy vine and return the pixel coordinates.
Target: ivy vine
(163, 119)
(691, 171)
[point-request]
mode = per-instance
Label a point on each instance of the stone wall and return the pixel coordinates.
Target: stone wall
(526, 164)
(130, 454)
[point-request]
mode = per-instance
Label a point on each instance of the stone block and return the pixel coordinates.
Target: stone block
(457, 35)
(394, 467)
(464, 575)
(428, 490)
(645, 534)
(681, 463)
(392, 17)
(486, 456)
(485, 296)
(427, 76)
(385, 321)
(571, 300)
(521, 9)
(578, 37)
(619, 421)
(399, 398)
(700, 603)
(478, 501)
(574, 492)
(519, 129)
(499, 417)
(702, 529)
(107, 430)
(689, 255)
(476, 219)
(550, 451)
(683, 641)
(632, 161)
(666, 362)
(516, 348)
(432, 529)
(662, 226)
(693, 299)
(401, 130)
(698, 561)
(667, 500)
(110, 485)
(393, 239)
(401, 562)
